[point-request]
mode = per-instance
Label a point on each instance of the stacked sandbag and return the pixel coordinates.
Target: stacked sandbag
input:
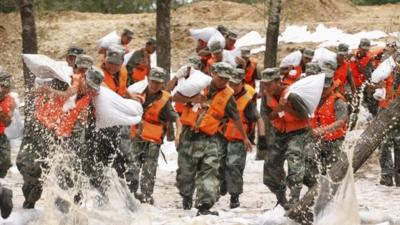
(305, 94)
(46, 68)
(113, 110)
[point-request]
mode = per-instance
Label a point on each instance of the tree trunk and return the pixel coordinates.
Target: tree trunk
(366, 145)
(29, 46)
(163, 35)
(271, 46)
(270, 55)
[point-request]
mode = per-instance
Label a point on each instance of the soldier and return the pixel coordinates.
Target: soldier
(7, 106)
(216, 56)
(148, 136)
(72, 53)
(252, 73)
(230, 41)
(312, 68)
(233, 147)
(292, 130)
(54, 127)
(391, 168)
(292, 73)
(330, 123)
(198, 159)
(126, 38)
(139, 64)
(343, 77)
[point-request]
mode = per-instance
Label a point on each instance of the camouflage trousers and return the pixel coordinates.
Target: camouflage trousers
(290, 147)
(141, 163)
(198, 165)
(389, 146)
(5, 155)
(232, 164)
(329, 152)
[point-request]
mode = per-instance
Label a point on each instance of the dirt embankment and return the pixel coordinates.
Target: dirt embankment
(59, 30)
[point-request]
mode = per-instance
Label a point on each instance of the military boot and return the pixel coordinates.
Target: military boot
(386, 180)
(187, 203)
(234, 201)
(281, 200)
(205, 210)
(6, 204)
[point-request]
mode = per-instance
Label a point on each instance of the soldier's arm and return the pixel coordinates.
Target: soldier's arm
(232, 113)
(253, 116)
(199, 98)
(351, 80)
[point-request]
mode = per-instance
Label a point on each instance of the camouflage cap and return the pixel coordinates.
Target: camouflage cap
(151, 41)
(308, 53)
(195, 61)
(5, 78)
(94, 78)
(222, 69)
(237, 76)
(215, 47)
(115, 56)
(343, 49)
(222, 29)
(231, 35)
(245, 51)
(365, 44)
(84, 61)
(312, 68)
(75, 51)
(328, 77)
(270, 74)
(157, 74)
(329, 64)
(127, 32)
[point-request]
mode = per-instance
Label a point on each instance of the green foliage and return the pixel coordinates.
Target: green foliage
(374, 2)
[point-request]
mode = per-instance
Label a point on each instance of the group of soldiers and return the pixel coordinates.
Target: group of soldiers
(213, 130)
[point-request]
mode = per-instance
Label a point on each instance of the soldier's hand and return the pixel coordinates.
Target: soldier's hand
(262, 143)
(136, 97)
(248, 146)
(199, 98)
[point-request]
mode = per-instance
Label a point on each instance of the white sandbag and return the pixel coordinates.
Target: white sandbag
(45, 67)
(16, 128)
(109, 39)
(380, 94)
(113, 110)
(310, 90)
(193, 85)
(153, 60)
(383, 70)
(203, 34)
(127, 56)
(70, 103)
(216, 37)
(322, 55)
(230, 56)
(253, 38)
(293, 59)
(138, 87)
(42, 81)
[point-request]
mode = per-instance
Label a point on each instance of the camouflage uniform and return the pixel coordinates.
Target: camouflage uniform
(390, 168)
(5, 155)
(200, 151)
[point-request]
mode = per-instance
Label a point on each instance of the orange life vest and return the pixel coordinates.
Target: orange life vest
(288, 122)
(325, 115)
(208, 121)
(231, 132)
(340, 76)
(123, 78)
(49, 112)
(152, 129)
(249, 79)
(358, 77)
(6, 105)
(390, 93)
(210, 62)
(289, 80)
(140, 72)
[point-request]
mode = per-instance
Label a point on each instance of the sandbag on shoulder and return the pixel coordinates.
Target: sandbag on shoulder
(109, 39)
(193, 85)
(44, 67)
(293, 59)
(309, 89)
(203, 34)
(322, 55)
(113, 110)
(383, 71)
